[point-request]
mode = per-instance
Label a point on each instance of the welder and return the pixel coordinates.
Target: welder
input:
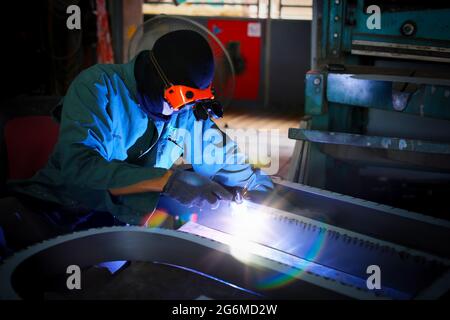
(123, 126)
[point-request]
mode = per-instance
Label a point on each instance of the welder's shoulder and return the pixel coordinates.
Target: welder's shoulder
(98, 74)
(90, 89)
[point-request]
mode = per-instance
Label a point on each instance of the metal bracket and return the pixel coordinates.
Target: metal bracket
(315, 93)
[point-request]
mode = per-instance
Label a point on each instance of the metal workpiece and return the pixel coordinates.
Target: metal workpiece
(23, 274)
(340, 255)
(365, 141)
(298, 242)
(344, 235)
(365, 217)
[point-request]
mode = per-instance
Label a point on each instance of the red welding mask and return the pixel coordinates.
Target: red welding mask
(178, 96)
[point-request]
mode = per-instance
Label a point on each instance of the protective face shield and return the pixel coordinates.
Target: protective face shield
(179, 96)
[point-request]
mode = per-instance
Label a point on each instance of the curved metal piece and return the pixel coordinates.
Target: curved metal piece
(23, 275)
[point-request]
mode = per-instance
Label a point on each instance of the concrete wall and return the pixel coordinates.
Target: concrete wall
(289, 61)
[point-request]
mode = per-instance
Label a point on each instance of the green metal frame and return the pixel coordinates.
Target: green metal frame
(343, 89)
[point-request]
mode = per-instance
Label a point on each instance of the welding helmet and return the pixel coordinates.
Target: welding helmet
(184, 66)
(177, 96)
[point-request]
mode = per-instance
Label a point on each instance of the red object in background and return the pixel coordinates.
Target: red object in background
(29, 143)
(104, 47)
(248, 34)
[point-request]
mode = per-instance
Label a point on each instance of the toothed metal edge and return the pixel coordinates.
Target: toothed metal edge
(9, 265)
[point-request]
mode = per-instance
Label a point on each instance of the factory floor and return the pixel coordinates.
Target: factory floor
(265, 120)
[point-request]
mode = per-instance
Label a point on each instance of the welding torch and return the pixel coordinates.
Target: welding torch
(239, 195)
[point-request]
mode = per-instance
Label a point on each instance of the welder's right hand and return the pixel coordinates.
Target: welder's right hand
(194, 190)
(208, 108)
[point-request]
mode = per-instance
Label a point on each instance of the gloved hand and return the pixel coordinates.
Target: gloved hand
(261, 183)
(207, 108)
(192, 189)
(259, 187)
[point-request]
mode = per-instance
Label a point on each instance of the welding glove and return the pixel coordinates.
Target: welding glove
(193, 190)
(259, 186)
(208, 108)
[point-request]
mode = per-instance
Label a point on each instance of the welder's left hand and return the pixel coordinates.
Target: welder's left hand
(208, 108)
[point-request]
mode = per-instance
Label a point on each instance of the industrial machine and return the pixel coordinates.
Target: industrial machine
(377, 102)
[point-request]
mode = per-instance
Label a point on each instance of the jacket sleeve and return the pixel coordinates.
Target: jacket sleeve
(87, 141)
(227, 165)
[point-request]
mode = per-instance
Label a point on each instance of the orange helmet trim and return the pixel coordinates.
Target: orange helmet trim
(178, 95)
